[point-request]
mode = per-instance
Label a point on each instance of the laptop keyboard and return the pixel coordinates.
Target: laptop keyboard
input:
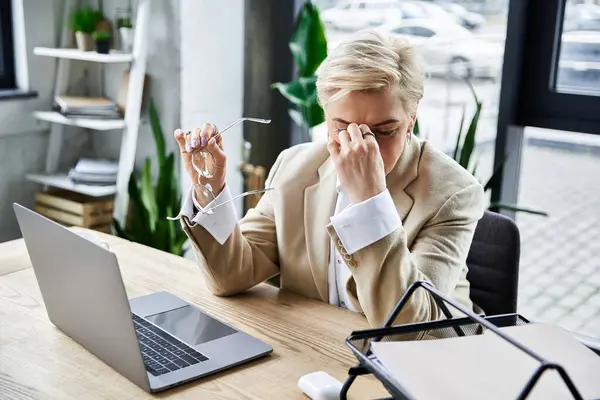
(162, 353)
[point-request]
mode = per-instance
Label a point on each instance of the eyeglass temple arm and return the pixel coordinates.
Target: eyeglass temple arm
(235, 198)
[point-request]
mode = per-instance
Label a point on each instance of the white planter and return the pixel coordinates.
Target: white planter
(127, 35)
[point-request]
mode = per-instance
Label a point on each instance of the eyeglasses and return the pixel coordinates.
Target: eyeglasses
(204, 164)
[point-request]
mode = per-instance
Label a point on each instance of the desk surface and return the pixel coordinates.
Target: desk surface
(39, 361)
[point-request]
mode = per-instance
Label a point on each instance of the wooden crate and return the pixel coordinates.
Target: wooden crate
(74, 209)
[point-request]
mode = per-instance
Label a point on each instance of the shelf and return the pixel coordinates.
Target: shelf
(63, 182)
(90, 123)
(75, 54)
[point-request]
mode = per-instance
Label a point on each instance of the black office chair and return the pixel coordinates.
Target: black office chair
(493, 262)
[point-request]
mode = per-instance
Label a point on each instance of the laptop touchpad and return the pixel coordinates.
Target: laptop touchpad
(191, 325)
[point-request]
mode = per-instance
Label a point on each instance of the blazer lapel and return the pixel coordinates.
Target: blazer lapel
(319, 206)
(403, 174)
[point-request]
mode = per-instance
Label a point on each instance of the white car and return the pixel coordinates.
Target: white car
(449, 49)
(353, 15)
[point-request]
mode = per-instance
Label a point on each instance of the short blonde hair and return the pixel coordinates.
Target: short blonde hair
(369, 61)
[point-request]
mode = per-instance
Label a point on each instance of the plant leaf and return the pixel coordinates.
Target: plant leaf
(163, 188)
(459, 137)
(157, 131)
(117, 230)
(147, 195)
(140, 228)
(171, 232)
(469, 142)
(179, 242)
(301, 92)
(495, 175)
(313, 114)
(297, 117)
(474, 171)
(308, 43)
(512, 207)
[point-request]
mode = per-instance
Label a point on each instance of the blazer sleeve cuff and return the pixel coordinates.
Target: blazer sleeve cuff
(363, 224)
(220, 223)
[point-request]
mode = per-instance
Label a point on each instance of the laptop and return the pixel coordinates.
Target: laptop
(157, 341)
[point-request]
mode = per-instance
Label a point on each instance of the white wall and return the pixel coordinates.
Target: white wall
(212, 87)
(23, 139)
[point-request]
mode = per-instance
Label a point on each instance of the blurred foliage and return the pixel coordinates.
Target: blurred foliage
(151, 204)
(309, 48)
(464, 148)
(85, 19)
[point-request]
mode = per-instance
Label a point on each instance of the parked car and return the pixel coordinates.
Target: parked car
(579, 62)
(466, 18)
(581, 17)
(360, 14)
(355, 15)
(450, 49)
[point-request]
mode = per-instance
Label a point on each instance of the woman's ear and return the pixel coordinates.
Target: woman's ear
(413, 119)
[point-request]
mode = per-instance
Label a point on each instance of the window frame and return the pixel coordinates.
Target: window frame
(527, 95)
(540, 104)
(8, 76)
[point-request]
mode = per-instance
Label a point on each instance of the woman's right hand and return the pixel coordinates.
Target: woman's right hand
(202, 138)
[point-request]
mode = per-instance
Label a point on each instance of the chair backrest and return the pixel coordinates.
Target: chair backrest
(493, 263)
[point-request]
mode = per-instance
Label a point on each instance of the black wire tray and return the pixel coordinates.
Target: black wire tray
(472, 324)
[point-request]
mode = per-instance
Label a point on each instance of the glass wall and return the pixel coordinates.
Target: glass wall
(560, 267)
(456, 40)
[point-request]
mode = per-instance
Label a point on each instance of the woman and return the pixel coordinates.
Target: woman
(356, 222)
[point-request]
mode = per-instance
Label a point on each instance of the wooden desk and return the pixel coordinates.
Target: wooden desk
(39, 361)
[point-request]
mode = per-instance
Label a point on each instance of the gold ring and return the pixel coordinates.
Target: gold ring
(368, 133)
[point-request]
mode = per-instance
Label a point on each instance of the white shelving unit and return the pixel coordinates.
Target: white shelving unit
(89, 123)
(74, 54)
(63, 182)
(129, 125)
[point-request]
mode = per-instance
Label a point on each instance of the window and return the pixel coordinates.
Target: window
(7, 59)
(559, 278)
(548, 131)
(579, 61)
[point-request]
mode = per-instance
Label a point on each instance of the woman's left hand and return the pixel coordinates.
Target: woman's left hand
(358, 163)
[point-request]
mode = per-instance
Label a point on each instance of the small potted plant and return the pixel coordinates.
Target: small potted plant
(126, 32)
(83, 22)
(102, 40)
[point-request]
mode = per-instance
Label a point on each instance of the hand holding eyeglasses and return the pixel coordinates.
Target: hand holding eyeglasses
(204, 160)
(190, 144)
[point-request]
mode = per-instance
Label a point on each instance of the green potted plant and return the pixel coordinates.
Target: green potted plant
(126, 33)
(309, 48)
(83, 22)
(102, 41)
(151, 201)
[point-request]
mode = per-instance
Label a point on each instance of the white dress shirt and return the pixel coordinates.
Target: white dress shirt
(357, 227)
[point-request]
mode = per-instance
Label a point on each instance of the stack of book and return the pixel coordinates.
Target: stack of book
(94, 172)
(87, 107)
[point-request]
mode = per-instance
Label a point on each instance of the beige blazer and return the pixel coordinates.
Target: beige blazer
(289, 232)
